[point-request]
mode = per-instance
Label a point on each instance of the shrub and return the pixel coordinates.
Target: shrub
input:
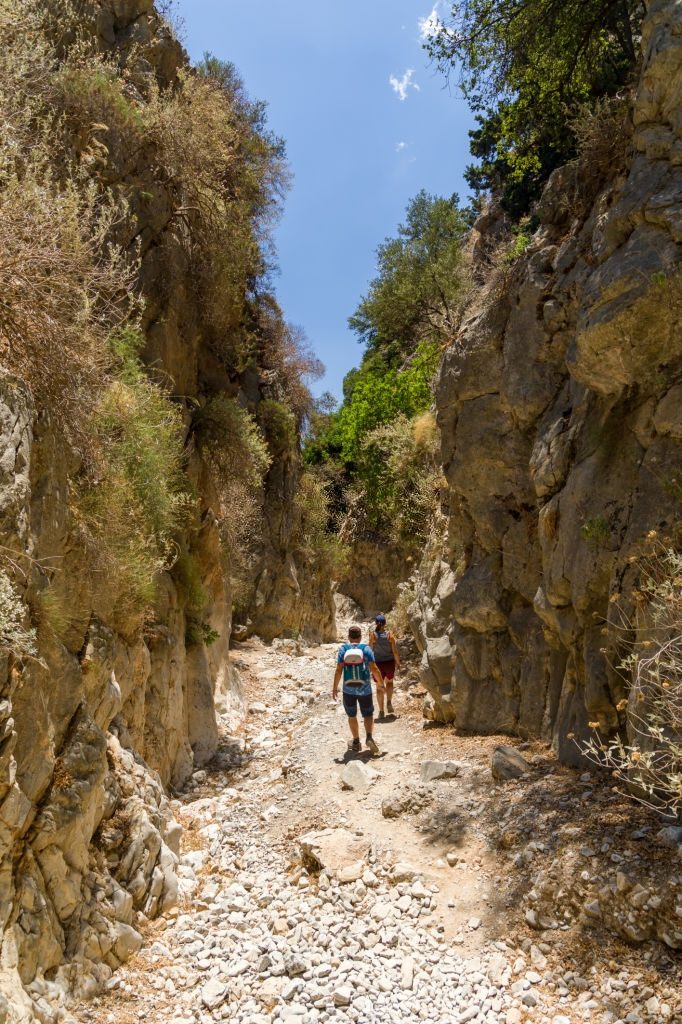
(64, 283)
(603, 135)
(231, 442)
(596, 531)
(52, 616)
(398, 619)
(321, 548)
(15, 638)
(226, 176)
(401, 477)
(647, 755)
(279, 426)
(137, 499)
(241, 526)
(238, 455)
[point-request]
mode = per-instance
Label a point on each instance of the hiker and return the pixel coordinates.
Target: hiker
(387, 658)
(355, 662)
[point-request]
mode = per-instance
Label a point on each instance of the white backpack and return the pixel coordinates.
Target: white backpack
(354, 658)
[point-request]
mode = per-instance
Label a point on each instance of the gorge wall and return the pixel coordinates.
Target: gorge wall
(560, 406)
(99, 723)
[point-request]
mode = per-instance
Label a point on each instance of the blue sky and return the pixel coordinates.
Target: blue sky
(357, 150)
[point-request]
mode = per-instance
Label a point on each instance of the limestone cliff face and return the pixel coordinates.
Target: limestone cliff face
(95, 729)
(560, 406)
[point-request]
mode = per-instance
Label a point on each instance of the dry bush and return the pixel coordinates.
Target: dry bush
(323, 551)
(404, 453)
(64, 284)
(225, 175)
(63, 287)
(647, 755)
(236, 452)
(398, 619)
(231, 442)
(603, 132)
(241, 527)
(426, 435)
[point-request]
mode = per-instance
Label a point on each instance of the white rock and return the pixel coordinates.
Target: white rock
(358, 776)
(343, 995)
(214, 993)
(407, 973)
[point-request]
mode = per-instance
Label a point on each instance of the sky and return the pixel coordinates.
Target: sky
(368, 122)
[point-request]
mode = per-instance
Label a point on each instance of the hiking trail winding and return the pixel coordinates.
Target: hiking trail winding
(406, 917)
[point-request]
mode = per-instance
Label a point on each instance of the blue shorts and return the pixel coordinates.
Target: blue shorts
(351, 701)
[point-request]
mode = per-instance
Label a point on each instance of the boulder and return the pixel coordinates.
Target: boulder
(507, 763)
(432, 770)
(333, 849)
(403, 872)
(358, 776)
(671, 836)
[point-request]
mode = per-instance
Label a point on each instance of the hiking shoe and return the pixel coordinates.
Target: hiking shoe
(389, 707)
(371, 745)
(355, 746)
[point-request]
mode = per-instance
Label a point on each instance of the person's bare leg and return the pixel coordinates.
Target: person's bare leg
(370, 742)
(354, 728)
(389, 696)
(381, 694)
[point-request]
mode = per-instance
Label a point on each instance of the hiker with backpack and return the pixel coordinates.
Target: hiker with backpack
(387, 660)
(355, 663)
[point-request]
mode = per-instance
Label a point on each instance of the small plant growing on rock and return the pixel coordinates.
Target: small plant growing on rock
(595, 531)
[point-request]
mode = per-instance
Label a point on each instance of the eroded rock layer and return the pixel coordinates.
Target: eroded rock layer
(560, 408)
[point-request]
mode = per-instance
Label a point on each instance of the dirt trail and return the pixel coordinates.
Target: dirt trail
(441, 938)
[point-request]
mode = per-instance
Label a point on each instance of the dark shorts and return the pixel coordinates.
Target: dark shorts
(351, 702)
(387, 668)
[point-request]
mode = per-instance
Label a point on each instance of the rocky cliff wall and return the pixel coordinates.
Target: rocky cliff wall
(99, 724)
(560, 409)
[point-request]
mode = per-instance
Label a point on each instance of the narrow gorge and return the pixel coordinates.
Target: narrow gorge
(185, 535)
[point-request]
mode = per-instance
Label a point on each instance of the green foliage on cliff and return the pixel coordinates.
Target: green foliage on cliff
(135, 499)
(325, 553)
(525, 66)
(367, 449)
(136, 191)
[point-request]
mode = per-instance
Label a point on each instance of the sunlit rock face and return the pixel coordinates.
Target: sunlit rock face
(561, 419)
(97, 728)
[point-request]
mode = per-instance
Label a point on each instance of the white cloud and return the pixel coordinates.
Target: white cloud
(430, 25)
(401, 85)
(400, 147)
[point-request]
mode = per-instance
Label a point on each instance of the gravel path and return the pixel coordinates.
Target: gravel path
(398, 918)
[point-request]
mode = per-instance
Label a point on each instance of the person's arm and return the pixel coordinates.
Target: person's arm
(394, 648)
(337, 679)
(372, 639)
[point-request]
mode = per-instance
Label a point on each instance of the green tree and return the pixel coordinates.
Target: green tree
(417, 291)
(524, 65)
(412, 306)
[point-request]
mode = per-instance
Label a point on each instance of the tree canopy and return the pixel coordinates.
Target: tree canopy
(524, 66)
(410, 309)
